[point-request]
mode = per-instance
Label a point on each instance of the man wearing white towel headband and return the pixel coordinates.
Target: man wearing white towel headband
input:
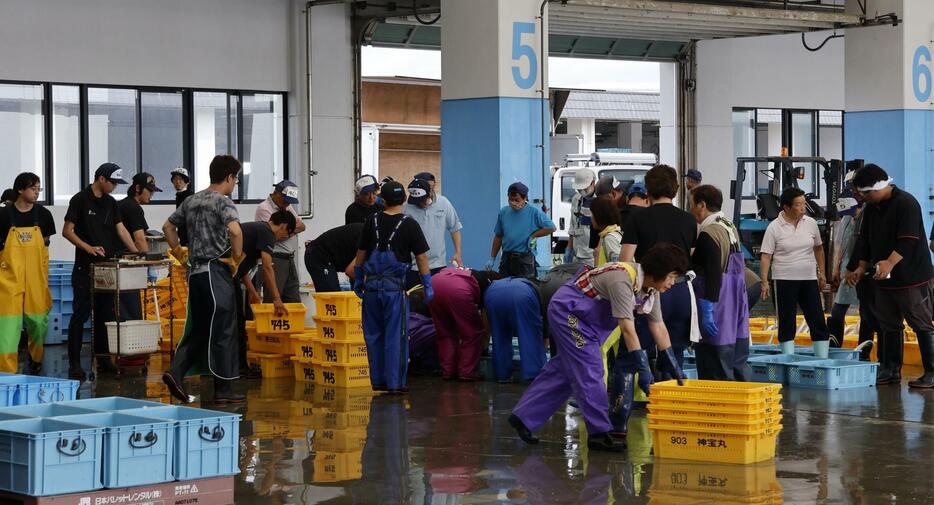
(892, 239)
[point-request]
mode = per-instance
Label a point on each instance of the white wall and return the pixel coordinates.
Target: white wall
(767, 72)
(668, 114)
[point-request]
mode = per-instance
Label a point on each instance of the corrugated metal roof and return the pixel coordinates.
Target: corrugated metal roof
(612, 105)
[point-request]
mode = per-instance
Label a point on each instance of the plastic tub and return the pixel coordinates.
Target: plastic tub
(338, 305)
(40, 457)
(722, 446)
(206, 441)
(347, 376)
(303, 369)
(31, 390)
(833, 374)
(137, 450)
(340, 330)
(338, 353)
(46, 410)
(303, 344)
(715, 391)
(270, 344)
(268, 323)
(136, 337)
(112, 403)
(774, 368)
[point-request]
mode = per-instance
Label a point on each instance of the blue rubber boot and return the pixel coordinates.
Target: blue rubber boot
(788, 347)
(821, 349)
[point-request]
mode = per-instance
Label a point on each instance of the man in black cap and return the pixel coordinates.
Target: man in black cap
(366, 200)
(94, 224)
(283, 197)
(134, 219)
(692, 179)
(518, 225)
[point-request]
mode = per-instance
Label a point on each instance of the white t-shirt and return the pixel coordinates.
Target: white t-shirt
(792, 248)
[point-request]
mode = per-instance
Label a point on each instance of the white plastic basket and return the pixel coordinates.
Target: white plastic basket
(136, 337)
(105, 278)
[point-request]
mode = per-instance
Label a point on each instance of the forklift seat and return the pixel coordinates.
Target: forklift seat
(767, 205)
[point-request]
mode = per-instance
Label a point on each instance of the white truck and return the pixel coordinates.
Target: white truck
(628, 168)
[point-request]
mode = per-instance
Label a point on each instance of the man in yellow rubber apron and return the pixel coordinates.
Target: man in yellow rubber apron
(25, 300)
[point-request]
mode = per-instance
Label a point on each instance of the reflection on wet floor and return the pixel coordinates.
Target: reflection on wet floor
(448, 442)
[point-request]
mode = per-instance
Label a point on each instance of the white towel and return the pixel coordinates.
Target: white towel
(695, 328)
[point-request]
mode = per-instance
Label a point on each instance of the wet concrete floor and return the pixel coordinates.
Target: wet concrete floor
(449, 443)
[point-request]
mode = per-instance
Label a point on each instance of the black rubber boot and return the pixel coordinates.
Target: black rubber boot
(524, 433)
(224, 393)
(891, 350)
(176, 388)
(605, 442)
(926, 346)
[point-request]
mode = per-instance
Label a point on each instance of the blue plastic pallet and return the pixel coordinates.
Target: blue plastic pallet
(774, 368)
(137, 450)
(833, 374)
(206, 441)
(40, 457)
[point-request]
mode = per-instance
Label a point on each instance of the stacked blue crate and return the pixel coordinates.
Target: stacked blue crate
(62, 304)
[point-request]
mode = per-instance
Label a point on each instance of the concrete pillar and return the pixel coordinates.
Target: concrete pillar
(629, 135)
(889, 117)
(586, 128)
(668, 114)
(491, 113)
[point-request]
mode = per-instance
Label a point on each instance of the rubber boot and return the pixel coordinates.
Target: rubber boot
(524, 433)
(926, 346)
(821, 349)
(224, 393)
(891, 351)
(622, 407)
(788, 347)
(75, 371)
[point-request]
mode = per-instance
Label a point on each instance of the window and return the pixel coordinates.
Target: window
(804, 143)
(162, 137)
(215, 131)
(22, 131)
(567, 188)
(66, 143)
(112, 129)
(744, 146)
(263, 157)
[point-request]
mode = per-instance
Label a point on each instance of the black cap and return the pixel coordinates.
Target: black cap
(518, 187)
(425, 176)
(111, 171)
(147, 181)
(419, 191)
(393, 193)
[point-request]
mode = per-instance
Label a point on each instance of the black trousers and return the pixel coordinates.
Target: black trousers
(868, 324)
(518, 265)
(323, 273)
(103, 306)
(789, 295)
(894, 307)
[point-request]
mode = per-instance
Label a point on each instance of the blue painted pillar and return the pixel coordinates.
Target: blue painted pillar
(492, 114)
(889, 117)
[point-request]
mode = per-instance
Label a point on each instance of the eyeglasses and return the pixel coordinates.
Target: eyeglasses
(37, 189)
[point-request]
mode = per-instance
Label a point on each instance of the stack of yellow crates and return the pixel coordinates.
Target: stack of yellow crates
(340, 418)
(338, 356)
(269, 338)
(717, 421)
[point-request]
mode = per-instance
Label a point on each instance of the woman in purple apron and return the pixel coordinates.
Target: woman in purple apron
(582, 314)
(722, 304)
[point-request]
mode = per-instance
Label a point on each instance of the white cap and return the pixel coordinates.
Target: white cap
(180, 171)
(583, 178)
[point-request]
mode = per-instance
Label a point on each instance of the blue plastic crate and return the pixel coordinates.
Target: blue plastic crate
(40, 457)
(30, 390)
(833, 374)
(137, 450)
(45, 410)
(63, 306)
(690, 358)
(690, 373)
(206, 441)
(774, 368)
(113, 403)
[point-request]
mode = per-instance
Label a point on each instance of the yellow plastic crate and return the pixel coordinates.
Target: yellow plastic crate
(303, 369)
(723, 446)
(763, 337)
(347, 440)
(338, 305)
(702, 422)
(270, 365)
(337, 466)
(302, 344)
(728, 481)
(250, 329)
(338, 353)
(725, 412)
(268, 323)
(326, 419)
(346, 331)
(343, 399)
(270, 343)
(715, 391)
(772, 402)
(342, 376)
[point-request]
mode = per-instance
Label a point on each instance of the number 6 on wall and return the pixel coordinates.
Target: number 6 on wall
(519, 51)
(919, 69)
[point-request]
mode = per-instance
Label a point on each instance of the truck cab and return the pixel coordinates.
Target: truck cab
(628, 168)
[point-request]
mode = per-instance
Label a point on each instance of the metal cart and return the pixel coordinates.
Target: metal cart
(128, 275)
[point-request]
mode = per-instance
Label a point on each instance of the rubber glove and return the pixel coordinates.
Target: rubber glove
(429, 292)
(667, 363)
(180, 253)
(489, 265)
(233, 263)
(705, 313)
(568, 255)
(640, 361)
(358, 281)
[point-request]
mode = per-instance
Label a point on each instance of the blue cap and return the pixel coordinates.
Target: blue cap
(694, 174)
(288, 190)
(518, 187)
(637, 188)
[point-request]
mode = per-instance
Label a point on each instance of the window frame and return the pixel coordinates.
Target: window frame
(48, 170)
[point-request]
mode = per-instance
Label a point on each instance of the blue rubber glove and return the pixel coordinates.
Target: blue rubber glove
(358, 281)
(568, 255)
(705, 314)
(668, 364)
(429, 292)
(489, 265)
(640, 361)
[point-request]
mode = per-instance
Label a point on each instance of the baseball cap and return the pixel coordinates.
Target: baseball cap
(366, 184)
(419, 191)
(606, 184)
(694, 174)
(146, 180)
(289, 191)
(637, 188)
(393, 193)
(111, 171)
(583, 178)
(518, 187)
(425, 176)
(181, 172)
